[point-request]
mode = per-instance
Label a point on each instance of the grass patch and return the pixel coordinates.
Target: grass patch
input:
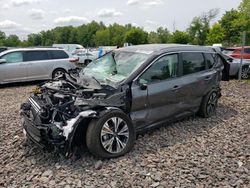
(247, 81)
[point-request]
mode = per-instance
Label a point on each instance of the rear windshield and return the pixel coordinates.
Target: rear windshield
(58, 54)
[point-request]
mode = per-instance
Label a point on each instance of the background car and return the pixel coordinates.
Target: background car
(85, 58)
(70, 48)
(3, 49)
(235, 67)
(28, 64)
(236, 52)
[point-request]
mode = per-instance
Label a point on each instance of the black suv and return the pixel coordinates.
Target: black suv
(126, 91)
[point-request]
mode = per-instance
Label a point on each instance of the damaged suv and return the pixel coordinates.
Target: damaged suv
(124, 92)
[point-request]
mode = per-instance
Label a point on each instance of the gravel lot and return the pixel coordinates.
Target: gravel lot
(198, 152)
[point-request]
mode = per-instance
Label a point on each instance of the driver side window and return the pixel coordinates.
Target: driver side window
(164, 68)
(14, 57)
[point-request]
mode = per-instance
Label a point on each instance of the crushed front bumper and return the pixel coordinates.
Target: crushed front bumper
(44, 135)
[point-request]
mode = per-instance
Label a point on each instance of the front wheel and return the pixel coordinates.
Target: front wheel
(112, 135)
(209, 104)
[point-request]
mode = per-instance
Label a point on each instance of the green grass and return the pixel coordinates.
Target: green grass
(248, 81)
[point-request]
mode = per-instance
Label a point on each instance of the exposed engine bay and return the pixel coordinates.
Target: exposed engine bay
(59, 106)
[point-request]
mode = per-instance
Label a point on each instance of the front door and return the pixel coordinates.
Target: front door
(159, 90)
(14, 70)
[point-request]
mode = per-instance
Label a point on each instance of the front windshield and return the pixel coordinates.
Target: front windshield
(115, 66)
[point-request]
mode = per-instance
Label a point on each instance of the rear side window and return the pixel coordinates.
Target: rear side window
(58, 54)
(36, 56)
(210, 60)
(247, 50)
(193, 62)
(14, 57)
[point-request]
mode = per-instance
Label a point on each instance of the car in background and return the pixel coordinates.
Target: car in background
(235, 66)
(3, 49)
(122, 93)
(236, 52)
(29, 64)
(70, 48)
(85, 58)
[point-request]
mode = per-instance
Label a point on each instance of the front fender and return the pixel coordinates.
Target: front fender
(82, 119)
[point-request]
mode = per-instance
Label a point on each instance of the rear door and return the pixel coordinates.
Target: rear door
(14, 70)
(38, 64)
(197, 78)
(60, 59)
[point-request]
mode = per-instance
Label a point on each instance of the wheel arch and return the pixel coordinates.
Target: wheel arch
(56, 69)
(78, 135)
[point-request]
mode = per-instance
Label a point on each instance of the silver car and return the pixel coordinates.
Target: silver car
(235, 67)
(28, 64)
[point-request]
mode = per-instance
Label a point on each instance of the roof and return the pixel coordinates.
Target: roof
(28, 49)
(154, 48)
(236, 48)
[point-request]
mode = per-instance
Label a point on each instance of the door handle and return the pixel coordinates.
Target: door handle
(208, 78)
(175, 88)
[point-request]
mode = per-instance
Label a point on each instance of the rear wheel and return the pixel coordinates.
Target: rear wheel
(244, 73)
(111, 136)
(57, 73)
(209, 104)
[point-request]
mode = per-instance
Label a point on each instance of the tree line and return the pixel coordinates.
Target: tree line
(200, 32)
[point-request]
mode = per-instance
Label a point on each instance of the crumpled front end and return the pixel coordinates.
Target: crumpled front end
(53, 112)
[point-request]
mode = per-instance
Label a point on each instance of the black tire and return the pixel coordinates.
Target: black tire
(95, 141)
(209, 104)
(58, 72)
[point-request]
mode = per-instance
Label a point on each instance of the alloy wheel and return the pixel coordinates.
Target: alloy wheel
(244, 73)
(58, 73)
(212, 104)
(114, 135)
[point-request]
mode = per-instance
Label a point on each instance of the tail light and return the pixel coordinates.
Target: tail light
(74, 60)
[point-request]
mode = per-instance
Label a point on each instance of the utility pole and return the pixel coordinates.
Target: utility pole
(242, 52)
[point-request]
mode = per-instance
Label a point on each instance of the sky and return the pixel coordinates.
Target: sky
(23, 17)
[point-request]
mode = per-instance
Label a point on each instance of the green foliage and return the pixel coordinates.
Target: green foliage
(102, 38)
(162, 35)
(180, 37)
(228, 31)
(136, 36)
(215, 35)
(233, 24)
(244, 8)
(2, 38)
(199, 27)
(12, 41)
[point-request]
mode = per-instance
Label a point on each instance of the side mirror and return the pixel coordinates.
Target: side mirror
(143, 86)
(230, 60)
(2, 61)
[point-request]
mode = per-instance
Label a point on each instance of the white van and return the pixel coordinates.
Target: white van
(70, 48)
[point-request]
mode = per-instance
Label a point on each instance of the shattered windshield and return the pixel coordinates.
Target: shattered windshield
(115, 66)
